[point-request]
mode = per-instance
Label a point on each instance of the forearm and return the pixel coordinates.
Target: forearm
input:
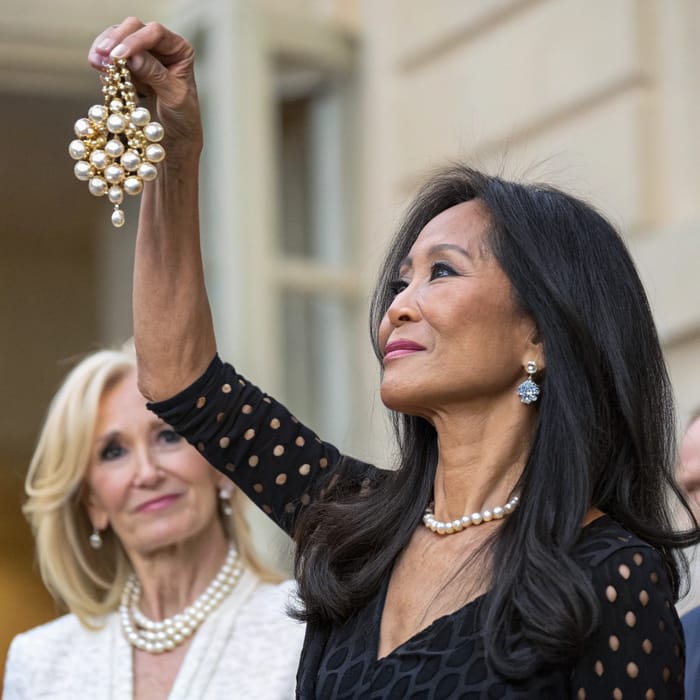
(173, 328)
(172, 321)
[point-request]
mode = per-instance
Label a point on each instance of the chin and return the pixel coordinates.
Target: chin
(401, 400)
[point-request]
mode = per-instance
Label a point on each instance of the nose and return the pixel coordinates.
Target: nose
(403, 308)
(147, 472)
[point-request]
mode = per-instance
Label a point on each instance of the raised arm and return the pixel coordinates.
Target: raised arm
(173, 328)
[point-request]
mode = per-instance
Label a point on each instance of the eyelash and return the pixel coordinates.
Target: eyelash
(170, 435)
(107, 453)
(113, 450)
(397, 286)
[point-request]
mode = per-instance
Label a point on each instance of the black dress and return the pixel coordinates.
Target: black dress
(636, 652)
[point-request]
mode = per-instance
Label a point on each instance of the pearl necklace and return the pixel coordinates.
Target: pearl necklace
(158, 636)
(452, 526)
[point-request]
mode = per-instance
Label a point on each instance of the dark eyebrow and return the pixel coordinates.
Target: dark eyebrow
(105, 439)
(450, 246)
(434, 250)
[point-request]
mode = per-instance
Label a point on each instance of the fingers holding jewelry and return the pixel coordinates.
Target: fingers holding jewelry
(98, 56)
(162, 67)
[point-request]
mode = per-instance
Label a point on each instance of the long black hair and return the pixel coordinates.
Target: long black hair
(605, 434)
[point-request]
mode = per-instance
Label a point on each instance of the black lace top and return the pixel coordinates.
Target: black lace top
(636, 652)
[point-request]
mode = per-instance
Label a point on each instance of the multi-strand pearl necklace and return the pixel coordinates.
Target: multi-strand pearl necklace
(158, 636)
(451, 526)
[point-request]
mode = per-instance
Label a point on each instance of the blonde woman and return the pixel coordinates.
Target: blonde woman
(147, 548)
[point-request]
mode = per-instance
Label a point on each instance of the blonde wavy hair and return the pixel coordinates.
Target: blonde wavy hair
(85, 581)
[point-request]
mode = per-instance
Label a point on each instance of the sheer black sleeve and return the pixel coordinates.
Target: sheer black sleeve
(637, 650)
(278, 462)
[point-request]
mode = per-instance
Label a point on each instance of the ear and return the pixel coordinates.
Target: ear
(223, 482)
(534, 350)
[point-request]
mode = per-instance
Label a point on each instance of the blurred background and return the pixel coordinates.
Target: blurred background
(322, 117)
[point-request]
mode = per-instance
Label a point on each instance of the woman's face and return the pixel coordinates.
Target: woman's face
(453, 334)
(689, 470)
(145, 481)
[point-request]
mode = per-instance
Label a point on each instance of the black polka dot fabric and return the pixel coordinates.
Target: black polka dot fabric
(636, 652)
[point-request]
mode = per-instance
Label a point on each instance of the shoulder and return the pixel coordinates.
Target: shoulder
(627, 573)
(605, 538)
(272, 601)
(268, 612)
(62, 629)
(691, 627)
(614, 556)
(638, 640)
(42, 655)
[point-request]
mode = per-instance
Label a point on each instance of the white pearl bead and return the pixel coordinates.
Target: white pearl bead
(466, 520)
(116, 123)
(162, 635)
(133, 185)
(457, 525)
(476, 518)
(116, 106)
(155, 153)
(98, 113)
(99, 159)
(140, 116)
(77, 149)
(487, 515)
(82, 128)
(97, 186)
(114, 173)
(114, 147)
(115, 194)
(498, 512)
(118, 218)
(83, 170)
(153, 131)
(130, 160)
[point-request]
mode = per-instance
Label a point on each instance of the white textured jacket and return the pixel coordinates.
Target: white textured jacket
(248, 648)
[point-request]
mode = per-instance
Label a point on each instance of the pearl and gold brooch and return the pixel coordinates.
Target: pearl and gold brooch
(117, 145)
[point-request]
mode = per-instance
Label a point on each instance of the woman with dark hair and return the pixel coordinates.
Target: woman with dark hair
(523, 547)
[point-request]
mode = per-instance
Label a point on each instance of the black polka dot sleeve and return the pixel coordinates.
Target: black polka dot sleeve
(637, 651)
(253, 439)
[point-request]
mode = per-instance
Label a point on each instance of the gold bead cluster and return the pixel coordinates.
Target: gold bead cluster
(117, 144)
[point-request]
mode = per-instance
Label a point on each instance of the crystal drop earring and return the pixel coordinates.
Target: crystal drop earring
(529, 390)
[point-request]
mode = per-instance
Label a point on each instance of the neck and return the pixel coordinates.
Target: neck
(173, 577)
(481, 457)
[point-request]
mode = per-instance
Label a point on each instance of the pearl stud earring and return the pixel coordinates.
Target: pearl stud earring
(95, 538)
(225, 496)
